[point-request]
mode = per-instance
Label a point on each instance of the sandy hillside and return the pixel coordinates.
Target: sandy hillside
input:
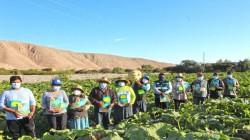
(18, 55)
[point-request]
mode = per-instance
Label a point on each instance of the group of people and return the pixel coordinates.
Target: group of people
(120, 102)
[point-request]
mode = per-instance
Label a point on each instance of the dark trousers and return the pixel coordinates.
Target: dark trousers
(58, 122)
(102, 118)
(139, 106)
(199, 100)
(215, 95)
(121, 113)
(162, 105)
(15, 127)
(177, 103)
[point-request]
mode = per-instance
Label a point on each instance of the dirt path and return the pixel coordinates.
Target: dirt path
(42, 78)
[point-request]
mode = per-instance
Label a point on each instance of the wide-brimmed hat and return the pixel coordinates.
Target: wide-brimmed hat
(179, 75)
(103, 79)
(121, 79)
(78, 87)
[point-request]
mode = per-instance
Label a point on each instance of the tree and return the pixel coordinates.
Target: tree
(147, 68)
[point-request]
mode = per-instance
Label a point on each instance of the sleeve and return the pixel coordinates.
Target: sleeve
(92, 99)
(170, 88)
(156, 91)
(65, 99)
(113, 96)
(3, 101)
(44, 101)
(32, 99)
(133, 96)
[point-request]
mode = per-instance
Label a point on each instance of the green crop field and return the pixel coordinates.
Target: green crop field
(223, 119)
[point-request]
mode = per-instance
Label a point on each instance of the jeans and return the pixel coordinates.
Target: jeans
(58, 122)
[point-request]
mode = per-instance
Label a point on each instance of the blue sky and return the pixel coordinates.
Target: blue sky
(163, 30)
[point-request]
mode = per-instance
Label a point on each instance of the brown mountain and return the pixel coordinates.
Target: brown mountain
(17, 55)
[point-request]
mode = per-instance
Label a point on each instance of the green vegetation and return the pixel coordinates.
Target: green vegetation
(216, 120)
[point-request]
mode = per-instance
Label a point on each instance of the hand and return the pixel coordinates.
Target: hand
(162, 94)
(54, 110)
(18, 114)
(30, 115)
(100, 104)
(80, 109)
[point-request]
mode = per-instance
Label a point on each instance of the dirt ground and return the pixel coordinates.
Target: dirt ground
(42, 78)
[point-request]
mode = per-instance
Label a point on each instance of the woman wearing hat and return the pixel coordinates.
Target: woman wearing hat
(141, 88)
(103, 99)
(179, 91)
(125, 100)
(54, 104)
(78, 109)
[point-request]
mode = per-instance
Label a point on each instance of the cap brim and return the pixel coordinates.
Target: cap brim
(105, 81)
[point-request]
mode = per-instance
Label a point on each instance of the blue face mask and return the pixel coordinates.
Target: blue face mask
(103, 85)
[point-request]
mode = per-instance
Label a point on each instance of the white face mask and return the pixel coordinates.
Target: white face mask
(179, 79)
(77, 92)
(121, 84)
(145, 81)
(56, 88)
(15, 85)
(103, 85)
(215, 77)
(200, 78)
(230, 76)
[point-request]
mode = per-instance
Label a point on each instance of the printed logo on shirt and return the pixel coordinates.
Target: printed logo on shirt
(22, 108)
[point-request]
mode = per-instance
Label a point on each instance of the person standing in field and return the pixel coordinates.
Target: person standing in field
(19, 104)
(162, 89)
(231, 85)
(125, 99)
(103, 98)
(215, 87)
(141, 87)
(54, 105)
(78, 109)
(199, 89)
(179, 91)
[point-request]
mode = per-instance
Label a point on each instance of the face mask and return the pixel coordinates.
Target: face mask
(56, 88)
(178, 79)
(215, 77)
(77, 92)
(121, 84)
(103, 85)
(145, 81)
(15, 85)
(230, 76)
(200, 78)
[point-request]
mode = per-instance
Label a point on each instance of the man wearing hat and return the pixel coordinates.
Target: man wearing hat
(215, 87)
(179, 91)
(199, 89)
(162, 89)
(78, 109)
(103, 99)
(54, 104)
(141, 87)
(125, 100)
(19, 105)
